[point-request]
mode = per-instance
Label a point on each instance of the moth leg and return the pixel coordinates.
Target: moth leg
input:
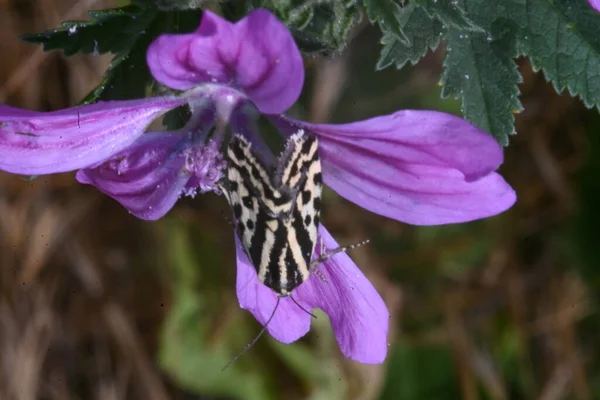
(319, 274)
(315, 268)
(322, 246)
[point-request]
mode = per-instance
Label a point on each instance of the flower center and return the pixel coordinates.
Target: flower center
(205, 164)
(119, 165)
(224, 98)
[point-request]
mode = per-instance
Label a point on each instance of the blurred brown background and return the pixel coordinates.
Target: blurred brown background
(95, 304)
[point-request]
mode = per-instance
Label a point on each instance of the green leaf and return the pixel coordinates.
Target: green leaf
(479, 67)
(481, 71)
(562, 38)
(388, 14)
(128, 75)
(126, 32)
(324, 30)
(112, 31)
(119, 31)
(423, 33)
(319, 27)
(498, 17)
(172, 5)
(450, 13)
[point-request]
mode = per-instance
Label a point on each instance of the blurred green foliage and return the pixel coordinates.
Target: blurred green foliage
(416, 372)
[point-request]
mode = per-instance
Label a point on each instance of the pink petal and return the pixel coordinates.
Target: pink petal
(147, 178)
(256, 55)
(358, 314)
(33, 143)
(419, 167)
(595, 4)
(289, 322)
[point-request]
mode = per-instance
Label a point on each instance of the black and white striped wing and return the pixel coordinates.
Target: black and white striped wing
(276, 213)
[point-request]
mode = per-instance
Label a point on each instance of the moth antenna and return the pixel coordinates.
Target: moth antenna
(302, 308)
(333, 252)
(249, 345)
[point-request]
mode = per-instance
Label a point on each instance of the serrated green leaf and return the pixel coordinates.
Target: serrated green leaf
(479, 65)
(112, 31)
(450, 13)
(423, 32)
(484, 75)
(108, 31)
(173, 5)
(117, 31)
(318, 27)
(562, 38)
(126, 32)
(498, 17)
(326, 29)
(128, 75)
(388, 14)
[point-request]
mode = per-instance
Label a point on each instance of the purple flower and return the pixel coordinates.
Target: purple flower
(595, 4)
(358, 314)
(419, 167)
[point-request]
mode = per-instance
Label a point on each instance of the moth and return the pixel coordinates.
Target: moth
(277, 209)
(276, 213)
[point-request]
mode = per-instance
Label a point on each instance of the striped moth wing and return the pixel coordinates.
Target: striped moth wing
(277, 209)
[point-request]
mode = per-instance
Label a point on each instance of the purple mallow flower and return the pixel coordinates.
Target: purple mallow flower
(358, 314)
(419, 167)
(595, 4)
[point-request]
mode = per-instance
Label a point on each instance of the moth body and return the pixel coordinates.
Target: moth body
(277, 208)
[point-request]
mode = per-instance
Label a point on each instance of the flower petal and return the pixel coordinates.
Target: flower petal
(256, 55)
(595, 4)
(33, 143)
(419, 167)
(358, 314)
(146, 178)
(289, 322)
